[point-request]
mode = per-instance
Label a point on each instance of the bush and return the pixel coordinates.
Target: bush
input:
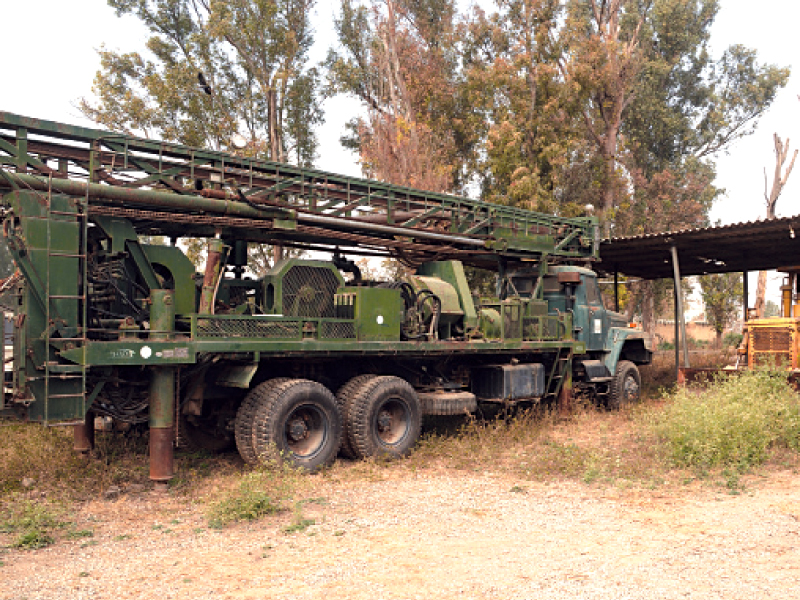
(32, 524)
(732, 340)
(735, 423)
(257, 494)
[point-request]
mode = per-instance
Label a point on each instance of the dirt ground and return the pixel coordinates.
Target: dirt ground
(435, 536)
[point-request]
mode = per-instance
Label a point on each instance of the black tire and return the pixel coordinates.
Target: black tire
(348, 391)
(297, 422)
(245, 417)
(625, 388)
(383, 418)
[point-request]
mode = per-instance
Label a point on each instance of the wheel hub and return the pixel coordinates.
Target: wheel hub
(297, 430)
(631, 389)
(384, 420)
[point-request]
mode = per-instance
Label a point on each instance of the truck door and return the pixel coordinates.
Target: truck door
(596, 314)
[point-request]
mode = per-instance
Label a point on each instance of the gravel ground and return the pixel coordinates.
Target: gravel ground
(436, 537)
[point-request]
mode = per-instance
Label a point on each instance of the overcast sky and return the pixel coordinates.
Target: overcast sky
(49, 49)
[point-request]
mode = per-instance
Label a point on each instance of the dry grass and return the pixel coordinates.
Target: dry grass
(590, 445)
(622, 449)
(660, 374)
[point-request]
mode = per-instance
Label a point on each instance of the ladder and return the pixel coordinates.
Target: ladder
(558, 373)
(63, 381)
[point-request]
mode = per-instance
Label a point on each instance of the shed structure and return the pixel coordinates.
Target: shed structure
(740, 247)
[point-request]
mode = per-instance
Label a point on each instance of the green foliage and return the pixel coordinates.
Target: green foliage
(732, 339)
(733, 424)
(400, 60)
(721, 293)
(212, 70)
(299, 522)
(32, 524)
(28, 451)
(772, 309)
(257, 494)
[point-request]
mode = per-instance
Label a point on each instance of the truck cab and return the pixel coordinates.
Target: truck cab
(613, 347)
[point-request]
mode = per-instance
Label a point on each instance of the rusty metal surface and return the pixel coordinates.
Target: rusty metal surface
(753, 246)
(161, 455)
(83, 434)
(688, 375)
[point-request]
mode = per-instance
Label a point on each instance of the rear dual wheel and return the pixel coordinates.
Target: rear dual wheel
(245, 418)
(383, 418)
(301, 422)
(347, 391)
(292, 420)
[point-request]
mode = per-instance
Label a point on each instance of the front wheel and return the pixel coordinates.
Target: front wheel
(625, 388)
(298, 422)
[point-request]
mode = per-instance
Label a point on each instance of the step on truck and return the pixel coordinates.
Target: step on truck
(111, 318)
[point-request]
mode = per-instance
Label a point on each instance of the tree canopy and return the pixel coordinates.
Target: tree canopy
(550, 105)
(213, 69)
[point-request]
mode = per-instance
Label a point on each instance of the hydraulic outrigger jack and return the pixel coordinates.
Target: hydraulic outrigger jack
(83, 434)
(162, 390)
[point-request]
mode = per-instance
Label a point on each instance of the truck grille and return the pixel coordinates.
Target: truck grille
(542, 328)
(771, 346)
(772, 339)
(337, 331)
(247, 327)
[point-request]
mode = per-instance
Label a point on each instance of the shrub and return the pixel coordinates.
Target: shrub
(732, 339)
(734, 423)
(256, 494)
(32, 524)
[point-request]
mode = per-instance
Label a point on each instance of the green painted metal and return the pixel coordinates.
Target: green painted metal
(377, 313)
(45, 234)
(169, 262)
(257, 189)
(452, 272)
(95, 312)
(161, 401)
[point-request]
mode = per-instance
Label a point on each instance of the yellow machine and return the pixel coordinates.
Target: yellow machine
(775, 340)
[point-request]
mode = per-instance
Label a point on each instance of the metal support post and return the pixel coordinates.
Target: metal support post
(211, 277)
(565, 394)
(677, 332)
(616, 291)
(679, 304)
(745, 295)
(162, 390)
(83, 434)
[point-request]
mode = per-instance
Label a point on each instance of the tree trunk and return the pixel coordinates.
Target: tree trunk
(649, 307)
(761, 294)
(778, 181)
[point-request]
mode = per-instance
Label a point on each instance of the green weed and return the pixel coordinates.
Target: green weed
(732, 424)
(300, 522)
(256, 494)
(32, 525)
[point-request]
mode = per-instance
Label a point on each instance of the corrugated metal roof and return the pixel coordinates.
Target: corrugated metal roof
(751, 246)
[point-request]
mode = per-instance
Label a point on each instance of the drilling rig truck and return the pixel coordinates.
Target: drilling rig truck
(312, 359)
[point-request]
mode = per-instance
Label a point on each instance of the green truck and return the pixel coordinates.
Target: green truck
(310, 360)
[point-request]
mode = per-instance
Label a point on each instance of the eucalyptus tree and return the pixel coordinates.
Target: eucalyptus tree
(212, 69)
